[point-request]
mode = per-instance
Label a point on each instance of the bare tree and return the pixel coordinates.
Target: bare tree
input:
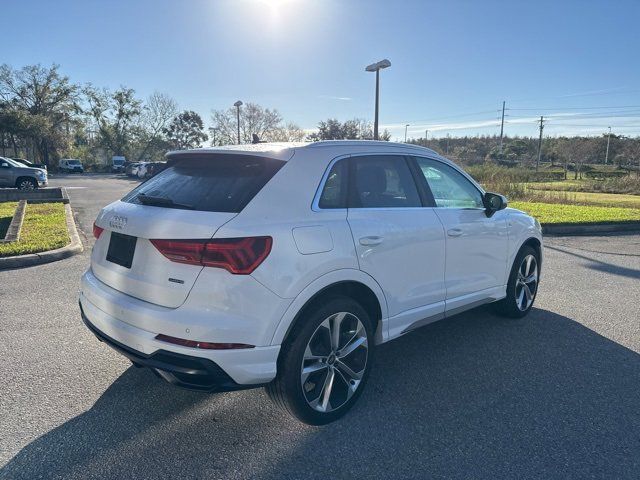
(157, 113)
(254, 119)
(288, 133)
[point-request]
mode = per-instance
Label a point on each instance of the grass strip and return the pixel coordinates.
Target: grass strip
(44, 228)
(7, 209)
(549, 213)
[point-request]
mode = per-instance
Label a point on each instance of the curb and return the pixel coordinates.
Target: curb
(31, 259)
(588, 229)
(13, 232)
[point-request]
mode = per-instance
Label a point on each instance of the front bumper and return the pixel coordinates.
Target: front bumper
(43, 183)
(193, 373)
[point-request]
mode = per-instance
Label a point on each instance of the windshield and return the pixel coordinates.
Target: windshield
(13, 162)
(210, 183)
(73, 162)
(118, 162)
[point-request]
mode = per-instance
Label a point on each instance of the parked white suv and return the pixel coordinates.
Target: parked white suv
(286, 264)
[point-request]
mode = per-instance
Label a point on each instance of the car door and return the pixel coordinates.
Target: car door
(476, 245)
(398, 241)
(6, 174)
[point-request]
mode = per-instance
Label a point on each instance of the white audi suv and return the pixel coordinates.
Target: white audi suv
(285, 265)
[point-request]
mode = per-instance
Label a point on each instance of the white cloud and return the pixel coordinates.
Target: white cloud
(332, 97)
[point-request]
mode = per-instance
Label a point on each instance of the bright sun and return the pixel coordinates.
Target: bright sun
(275, 5)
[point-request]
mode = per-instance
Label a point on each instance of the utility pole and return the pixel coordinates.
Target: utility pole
(606, 157)
(426, 136)
(502, 128)
(540, 143)
(405, 132)
(448, 136)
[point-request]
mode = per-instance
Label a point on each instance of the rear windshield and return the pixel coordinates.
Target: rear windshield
(210, 183)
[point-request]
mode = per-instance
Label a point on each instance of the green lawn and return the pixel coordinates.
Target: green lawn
(44, 228)
(7, 210)
(586, 198)
(561, 213)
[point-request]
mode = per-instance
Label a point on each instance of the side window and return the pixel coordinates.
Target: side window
(334, 192)
(449, 187)
(382, 182)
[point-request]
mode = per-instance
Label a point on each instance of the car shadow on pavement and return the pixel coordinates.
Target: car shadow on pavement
(477, 396)
(600, 265)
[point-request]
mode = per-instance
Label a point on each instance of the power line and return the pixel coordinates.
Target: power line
(576, 108)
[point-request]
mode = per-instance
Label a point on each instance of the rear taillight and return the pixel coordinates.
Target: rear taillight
(97, 231)
(205, 345)
(236, 255)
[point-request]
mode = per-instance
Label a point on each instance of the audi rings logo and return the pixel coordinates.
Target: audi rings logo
(118, 222)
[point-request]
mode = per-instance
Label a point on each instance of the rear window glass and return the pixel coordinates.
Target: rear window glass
(211, 183)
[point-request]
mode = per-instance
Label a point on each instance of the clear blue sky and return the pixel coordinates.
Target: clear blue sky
(453, 62)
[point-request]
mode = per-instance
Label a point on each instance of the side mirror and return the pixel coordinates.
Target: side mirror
(494, 202)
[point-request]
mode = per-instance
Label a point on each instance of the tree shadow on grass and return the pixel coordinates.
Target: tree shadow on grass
(475, 396)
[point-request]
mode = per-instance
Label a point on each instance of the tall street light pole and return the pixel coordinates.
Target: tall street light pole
(376, 67)
(405, 132)
(237, 105)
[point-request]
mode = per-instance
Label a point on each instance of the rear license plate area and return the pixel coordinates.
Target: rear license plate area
(121, 249)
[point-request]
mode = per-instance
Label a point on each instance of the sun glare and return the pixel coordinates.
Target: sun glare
(275, 5)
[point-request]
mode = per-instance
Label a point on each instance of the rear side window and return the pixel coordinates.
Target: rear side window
(210, 183)
(334, 193)
(382, 182)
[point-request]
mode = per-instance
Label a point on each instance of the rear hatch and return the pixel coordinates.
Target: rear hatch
(190, 200)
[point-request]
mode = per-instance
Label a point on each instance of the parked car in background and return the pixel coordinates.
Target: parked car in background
(118, 164)
(287, 265)
(70, 165)
(141, 172)
(131, 170)
(18, 175)
(29, 164)
(155, 168)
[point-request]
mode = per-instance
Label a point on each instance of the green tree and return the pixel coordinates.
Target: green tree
(186, 130)
(38, 107)
(355, 129)
(116, 115)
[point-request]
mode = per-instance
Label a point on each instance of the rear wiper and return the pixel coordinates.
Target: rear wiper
(161, 202)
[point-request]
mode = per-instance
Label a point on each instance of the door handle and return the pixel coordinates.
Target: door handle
(371, 241)
(454, 232)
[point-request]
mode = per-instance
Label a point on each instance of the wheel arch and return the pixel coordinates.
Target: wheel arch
(353, 284)
(534, 243)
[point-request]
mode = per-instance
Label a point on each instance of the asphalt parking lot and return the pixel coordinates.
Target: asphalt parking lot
(554, 395)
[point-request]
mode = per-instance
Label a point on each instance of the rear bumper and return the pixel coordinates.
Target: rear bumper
(193, 373)
(214, 370)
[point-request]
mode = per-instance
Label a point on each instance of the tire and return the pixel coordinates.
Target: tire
(518, 302)
(344, 374)
(26, 183)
